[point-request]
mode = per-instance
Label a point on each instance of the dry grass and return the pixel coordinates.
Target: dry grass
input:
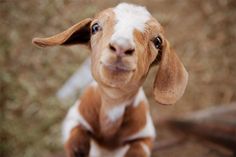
(201, 31)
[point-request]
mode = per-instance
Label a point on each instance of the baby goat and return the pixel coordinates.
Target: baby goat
(112, 118)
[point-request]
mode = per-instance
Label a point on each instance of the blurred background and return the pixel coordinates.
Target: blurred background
(203, 32)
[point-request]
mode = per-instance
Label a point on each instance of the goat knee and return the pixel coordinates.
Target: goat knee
(78, 144)
(140, 148)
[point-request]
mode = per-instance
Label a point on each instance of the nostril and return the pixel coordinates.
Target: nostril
(121, 47)
(112, 47)
(129, 52)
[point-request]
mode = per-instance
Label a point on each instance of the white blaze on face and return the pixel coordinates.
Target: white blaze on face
(128, 18)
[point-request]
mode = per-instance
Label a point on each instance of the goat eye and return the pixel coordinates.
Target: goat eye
(157, 42)
(95, 28)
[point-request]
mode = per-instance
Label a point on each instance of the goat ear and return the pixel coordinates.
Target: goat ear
(171, 78)
(76, 34)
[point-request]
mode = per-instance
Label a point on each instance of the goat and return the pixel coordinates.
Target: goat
(112, 116)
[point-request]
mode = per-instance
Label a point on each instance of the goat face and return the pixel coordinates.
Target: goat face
(125, 42)
(122, 45)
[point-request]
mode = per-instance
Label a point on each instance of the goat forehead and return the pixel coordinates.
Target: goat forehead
(129, 17)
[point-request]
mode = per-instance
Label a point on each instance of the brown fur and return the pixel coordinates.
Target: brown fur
(78, 144)
(115, 88)
(90, 104)
(134, 119)
(136, 149)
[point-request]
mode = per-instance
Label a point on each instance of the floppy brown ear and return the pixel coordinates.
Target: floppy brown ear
(76, 34)
(171, 78)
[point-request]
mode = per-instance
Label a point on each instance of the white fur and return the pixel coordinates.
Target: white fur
(128, 18)
(147, 131)
(73, 119)
(98, 151)
(93, 83)
(146, 149)
(140, 97)
(116, 112)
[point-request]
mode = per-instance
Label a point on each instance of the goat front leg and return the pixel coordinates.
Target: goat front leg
(140, 148)
(78, 144)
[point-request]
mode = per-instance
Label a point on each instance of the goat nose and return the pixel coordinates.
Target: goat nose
(121, 47)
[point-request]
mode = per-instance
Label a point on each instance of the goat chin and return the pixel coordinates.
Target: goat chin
(115, 78)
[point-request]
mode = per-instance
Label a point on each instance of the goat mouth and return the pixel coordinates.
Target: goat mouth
(115, 75)
(117, 67)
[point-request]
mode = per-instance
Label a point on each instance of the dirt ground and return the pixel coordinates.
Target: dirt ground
(202, 32)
